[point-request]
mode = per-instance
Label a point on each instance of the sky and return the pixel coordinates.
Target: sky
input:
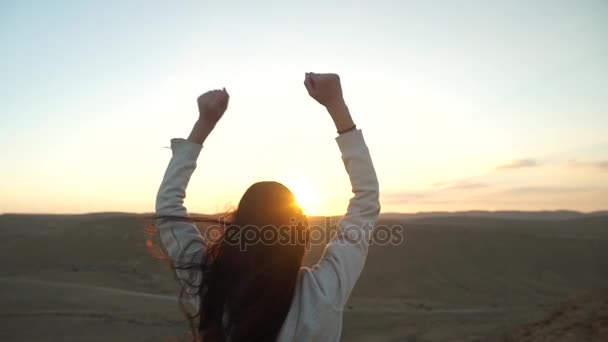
(489, 105)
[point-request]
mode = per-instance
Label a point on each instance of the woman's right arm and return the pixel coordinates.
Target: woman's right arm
(181, 238)
(344, 257)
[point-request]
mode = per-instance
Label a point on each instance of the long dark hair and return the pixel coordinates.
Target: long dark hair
(249, 272)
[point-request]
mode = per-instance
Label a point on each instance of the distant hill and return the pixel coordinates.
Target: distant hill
(545, 215)
(556, 215)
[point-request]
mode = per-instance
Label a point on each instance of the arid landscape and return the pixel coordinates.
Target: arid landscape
(470, 276)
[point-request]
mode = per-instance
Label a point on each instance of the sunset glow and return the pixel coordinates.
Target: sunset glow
(306, 195)
(490, 105)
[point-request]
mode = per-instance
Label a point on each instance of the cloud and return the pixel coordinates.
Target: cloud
(462, 184)
(599, 165)
(404, 197)
(541, 197)
(439, 195)
(417, 197)
(519, 164)
(545, 190)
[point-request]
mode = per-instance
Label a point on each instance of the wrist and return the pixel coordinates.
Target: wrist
(200, 131)
(344, 124)
(340, 114)
(205, 124)
(336, 107)
(346, 130)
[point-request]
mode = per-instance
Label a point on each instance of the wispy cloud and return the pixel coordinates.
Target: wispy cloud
(441, 193)
(599, 165)
(462, 184)
(543, 197)
(404, 197)
(545, 190)
(519, 164)
(418, 197)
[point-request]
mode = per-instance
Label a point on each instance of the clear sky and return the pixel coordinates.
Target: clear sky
(464, 104)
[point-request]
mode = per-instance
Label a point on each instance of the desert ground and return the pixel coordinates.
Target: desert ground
(471, 276)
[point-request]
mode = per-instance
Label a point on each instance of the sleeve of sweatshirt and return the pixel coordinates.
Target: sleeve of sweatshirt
(344, 257)
(180, 238)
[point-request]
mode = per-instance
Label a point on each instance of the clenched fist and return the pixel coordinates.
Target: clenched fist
(212, 105)
(325, 88)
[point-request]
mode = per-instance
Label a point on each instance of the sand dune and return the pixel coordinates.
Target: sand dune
(456, 278)
(581, 318)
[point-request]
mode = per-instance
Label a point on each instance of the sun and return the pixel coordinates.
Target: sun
(306, 194)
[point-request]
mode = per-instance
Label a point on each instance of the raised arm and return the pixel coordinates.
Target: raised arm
(344, 257)
(181, 238)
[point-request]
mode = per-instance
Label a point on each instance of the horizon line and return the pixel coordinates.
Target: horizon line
(469, 211)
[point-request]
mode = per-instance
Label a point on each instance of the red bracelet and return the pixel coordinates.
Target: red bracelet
(347, 130)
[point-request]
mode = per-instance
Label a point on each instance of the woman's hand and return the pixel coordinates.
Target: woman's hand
(327, 90)
(211, 107)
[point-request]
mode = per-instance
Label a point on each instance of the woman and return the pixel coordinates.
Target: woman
(248, 284)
